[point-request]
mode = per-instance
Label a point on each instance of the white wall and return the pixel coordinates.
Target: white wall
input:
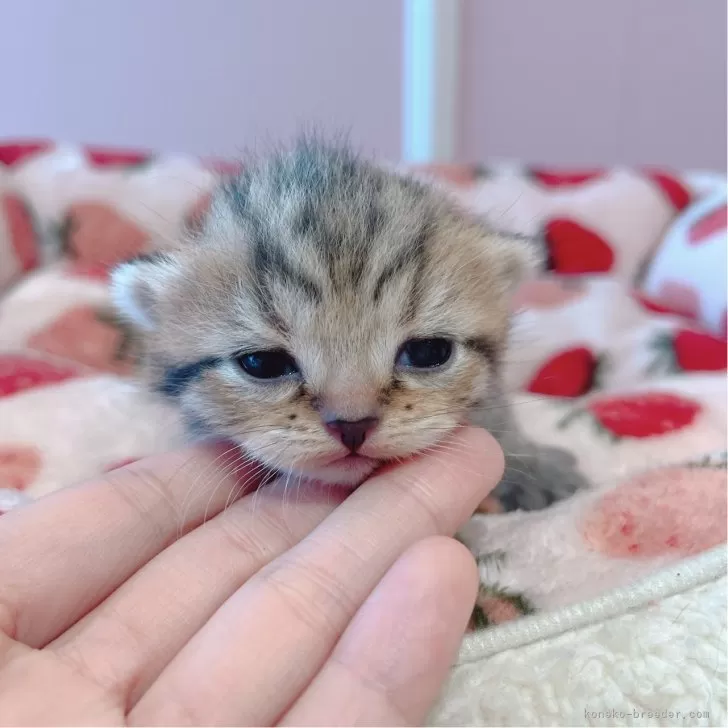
(558, 81)
(201, 76)
(593, 82)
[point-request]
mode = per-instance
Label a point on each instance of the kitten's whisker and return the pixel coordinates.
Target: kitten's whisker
(230, 470)
(235, 493)
(240, 488)
(299, 480)
(455, 451)
(285, 488)
(188, 498)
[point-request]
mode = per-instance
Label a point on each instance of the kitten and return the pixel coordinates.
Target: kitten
(329, 315)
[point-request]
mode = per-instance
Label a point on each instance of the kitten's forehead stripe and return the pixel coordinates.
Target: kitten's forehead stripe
(321, 208)
(420, 245)
(411, 257)
(395, 267)
(270, 262)
(155, 257)
(236, 191)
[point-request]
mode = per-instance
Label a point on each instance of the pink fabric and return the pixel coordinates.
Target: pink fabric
(596, 368)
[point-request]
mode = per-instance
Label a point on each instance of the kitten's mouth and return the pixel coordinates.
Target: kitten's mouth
(354, 460)
(351, 469)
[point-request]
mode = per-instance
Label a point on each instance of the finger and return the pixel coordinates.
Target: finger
(393, 659)
(266, 643)
(72, 548)
(128, 639)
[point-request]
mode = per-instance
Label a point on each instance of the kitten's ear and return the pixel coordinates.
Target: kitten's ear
(516, 257)
(138, 285)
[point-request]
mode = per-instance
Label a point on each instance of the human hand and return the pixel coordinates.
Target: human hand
(162, 594)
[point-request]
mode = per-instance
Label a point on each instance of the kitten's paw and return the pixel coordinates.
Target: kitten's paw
(538, 478)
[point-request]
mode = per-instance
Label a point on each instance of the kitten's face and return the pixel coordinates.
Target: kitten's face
(329, 317)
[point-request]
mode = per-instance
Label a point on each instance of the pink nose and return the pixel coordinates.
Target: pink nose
(352, 434)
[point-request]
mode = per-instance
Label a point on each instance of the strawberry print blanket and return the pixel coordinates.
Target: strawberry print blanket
(618, 355)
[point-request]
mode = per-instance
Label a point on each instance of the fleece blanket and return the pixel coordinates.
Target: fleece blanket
(618, 355)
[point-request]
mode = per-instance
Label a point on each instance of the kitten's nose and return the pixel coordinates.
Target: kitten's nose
(352, 434)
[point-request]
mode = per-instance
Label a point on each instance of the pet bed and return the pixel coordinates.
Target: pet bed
(608, 608)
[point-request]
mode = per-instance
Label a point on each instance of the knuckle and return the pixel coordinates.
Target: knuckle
(417, 499)
(9, 617)
(313, 595)
(262, 540)
(149, 496)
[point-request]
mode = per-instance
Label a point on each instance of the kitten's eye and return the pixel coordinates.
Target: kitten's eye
(267, 364)
(425, 353)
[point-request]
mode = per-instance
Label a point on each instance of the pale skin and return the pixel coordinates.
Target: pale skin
(161, 594)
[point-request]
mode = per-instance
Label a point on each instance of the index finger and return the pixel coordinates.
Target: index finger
(71, 549)
(268, 641)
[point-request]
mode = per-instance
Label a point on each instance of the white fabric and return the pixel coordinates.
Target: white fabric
(650, 654)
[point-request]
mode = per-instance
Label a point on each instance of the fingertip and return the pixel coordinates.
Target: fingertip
(447, 481)
(390, 665)
(474, 455)
(450, 565)
(484, 447)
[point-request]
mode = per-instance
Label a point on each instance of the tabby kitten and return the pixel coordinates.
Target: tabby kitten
(329, 315)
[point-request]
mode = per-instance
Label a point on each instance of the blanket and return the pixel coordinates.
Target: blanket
(618, 356)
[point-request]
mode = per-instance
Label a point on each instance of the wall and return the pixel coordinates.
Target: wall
(588, 82)
(201, 76)
(559, 81)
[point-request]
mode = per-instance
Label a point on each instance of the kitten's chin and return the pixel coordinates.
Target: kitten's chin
(349, 471)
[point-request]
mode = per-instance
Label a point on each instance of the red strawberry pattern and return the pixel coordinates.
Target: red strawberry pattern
(99, 157)
(564, 178)
(698, 351)
(707, 225)
(85, 336)
(570, 373)
(223, 167)
(495, 605)
(541, 294)
(574, 248)
(687, 350)
(12, 154)
(639, 416)
(649, 304)
(675, 192)
(657, 513)
(22, 231)
(92, 271)
(94, 232)
(19, 373)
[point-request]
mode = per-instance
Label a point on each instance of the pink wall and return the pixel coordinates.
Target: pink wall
(201, 76)
(587, 82)
(560, 81)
